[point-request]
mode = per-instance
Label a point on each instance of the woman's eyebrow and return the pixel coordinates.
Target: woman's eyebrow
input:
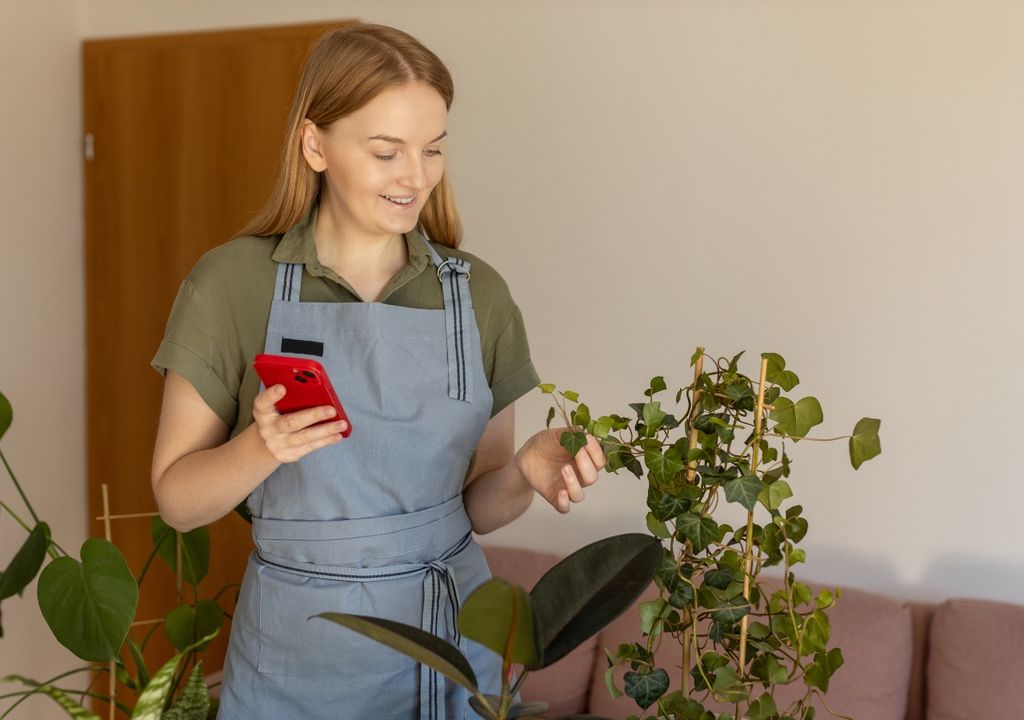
(400, 141)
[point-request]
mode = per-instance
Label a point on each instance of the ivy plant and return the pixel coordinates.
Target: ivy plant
(90, 605)
(728, 439)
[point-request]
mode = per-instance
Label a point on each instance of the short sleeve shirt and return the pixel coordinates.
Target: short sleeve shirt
(218, 323)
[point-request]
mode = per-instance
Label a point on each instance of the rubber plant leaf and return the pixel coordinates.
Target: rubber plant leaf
(412, 641)
(89, 605)
(195, 550)
(72, 708)
(499, 616)
(6, 414)
(194, 701)
(26, 562)
(588, 589)
(864, 443)
(150, 705)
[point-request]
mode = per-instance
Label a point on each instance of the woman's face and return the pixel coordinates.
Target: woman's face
(381, 162)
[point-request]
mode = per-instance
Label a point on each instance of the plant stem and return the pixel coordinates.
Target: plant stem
(749, 549)
(18, 486)
(691, 465)
(14, 515)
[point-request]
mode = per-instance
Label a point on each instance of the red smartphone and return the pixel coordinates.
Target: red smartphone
(305, 382)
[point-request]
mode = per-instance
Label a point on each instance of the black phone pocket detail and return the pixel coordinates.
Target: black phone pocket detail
(303, 347)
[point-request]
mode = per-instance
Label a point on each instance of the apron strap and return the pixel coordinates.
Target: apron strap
(439, 590)
(288, 285)
(453, 273)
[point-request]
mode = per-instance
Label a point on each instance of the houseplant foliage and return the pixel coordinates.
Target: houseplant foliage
(90, 605)
(529, 630)
(728, 443)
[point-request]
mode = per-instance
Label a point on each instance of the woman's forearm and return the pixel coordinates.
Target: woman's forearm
(498, 497)
(205, 485)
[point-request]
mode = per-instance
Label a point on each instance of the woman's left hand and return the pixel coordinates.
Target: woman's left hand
(556, 476)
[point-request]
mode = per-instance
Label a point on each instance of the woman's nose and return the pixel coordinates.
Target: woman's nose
(414, 174)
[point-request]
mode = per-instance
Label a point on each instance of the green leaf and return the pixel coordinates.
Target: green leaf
(185, 624)
(141, 671)
(412, 641)
(588, 589)
(26, 562)
(727, 686)
(657, 385)
(499, 616)
(816, 632)
(772, 496)
(573, 442)
(777, 373)
(763, 708)
(824, 666)
(743, 490)
(796, 420)
(719, 578)
(696, 356)
(89, 605)
(570, 395)
(581, 416)
(652, 416)
(547, 388)
(151, 702)
(551, 416)
(194, 701)
(767, 668)
(657, 527)
(72, 708)
(195, 550)
(650, 613)
(864, 443)
(663, 467)
(646, 688)
(668, 505)
(6, 414)
(700, 530)
(602, 427)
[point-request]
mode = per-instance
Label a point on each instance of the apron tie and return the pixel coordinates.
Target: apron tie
(441, 603)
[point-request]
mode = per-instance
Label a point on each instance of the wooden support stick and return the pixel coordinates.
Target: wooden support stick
(129, 515)
(109, 536)
(748, 552)
(177, 558)
(691, 473)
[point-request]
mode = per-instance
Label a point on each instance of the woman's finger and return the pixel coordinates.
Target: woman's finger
(572, 484)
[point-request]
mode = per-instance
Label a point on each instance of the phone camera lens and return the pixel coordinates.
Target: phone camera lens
(309, 374)
(299, 378)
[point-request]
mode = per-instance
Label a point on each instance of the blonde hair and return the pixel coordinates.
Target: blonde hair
(346, 69)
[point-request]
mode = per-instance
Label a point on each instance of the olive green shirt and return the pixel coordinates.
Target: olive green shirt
(219, 320)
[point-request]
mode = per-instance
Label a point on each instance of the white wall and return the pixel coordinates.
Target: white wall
(838, 182)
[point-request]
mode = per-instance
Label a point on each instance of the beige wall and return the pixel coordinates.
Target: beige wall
(838, 182)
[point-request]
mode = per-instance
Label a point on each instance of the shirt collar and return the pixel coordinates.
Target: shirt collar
(297, 246)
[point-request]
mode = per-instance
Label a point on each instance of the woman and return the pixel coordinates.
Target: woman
(428, 353)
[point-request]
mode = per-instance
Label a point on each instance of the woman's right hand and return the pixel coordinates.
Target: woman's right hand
(294, 435)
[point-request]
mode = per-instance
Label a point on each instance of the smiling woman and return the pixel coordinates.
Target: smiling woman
(354, 260)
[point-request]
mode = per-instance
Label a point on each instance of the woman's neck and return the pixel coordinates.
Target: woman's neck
(366, 263)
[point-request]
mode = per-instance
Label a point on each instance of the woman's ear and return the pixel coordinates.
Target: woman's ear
(311, 139)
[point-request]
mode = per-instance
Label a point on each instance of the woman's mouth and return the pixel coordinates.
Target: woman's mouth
(400, 201)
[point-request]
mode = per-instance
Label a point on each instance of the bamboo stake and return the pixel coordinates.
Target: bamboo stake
(130, 515)
(749, 550)
(108, 535)
(691, 472)
(177, 558)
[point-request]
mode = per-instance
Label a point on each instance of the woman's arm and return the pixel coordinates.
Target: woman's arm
(502, 482)
(199, 475)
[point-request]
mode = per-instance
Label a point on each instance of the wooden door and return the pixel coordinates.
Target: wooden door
(183, 135)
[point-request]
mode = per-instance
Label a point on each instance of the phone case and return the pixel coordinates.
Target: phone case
(306, 385)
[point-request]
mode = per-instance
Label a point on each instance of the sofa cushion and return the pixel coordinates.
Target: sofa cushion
(565, 685)
(975, 664)
(874, 632)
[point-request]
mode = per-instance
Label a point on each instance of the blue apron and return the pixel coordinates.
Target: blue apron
(373, 525)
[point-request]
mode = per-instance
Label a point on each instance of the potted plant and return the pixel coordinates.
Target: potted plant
(728, 444)
(529, 630)
(90, 606)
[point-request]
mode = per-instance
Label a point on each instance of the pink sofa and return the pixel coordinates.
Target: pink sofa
(955, 660)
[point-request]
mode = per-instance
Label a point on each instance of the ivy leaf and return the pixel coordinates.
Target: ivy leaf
(6, 414)
(825, 664)
(657, 385)
(646, 688)
(763, 708)
(570, 395)
(719, 578)
(573, 442)
(796, 420)
(657, 527)
(727, 687)
(547, 388)
(663, 467)
(551, 416)
(696, 356)
(652, 416)
(778, 374)
(650, 613)
(700, 530)
(772, 496)
(743, 490)
(864, 443)
(768, 669)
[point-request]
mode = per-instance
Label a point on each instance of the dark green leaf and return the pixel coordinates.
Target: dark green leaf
(573, 442)
(668, 505)
(816, 632)
(194, 701)
(646, 688)
(743, 490)
(590, 588)
(141, 671)
(777, 373)
(864, 443)
(767, 668)
(195, 550)
(657, 385)
(413, 642)
(700, 530)
(26, 562)
(186, 624)
(696, 356)
(89, 605)
(719, 578)
(153, 699)
(796, 420)
(581, 416)
(6, 414)
(499, 615)
(727, 687)
(663, 467)
(763, 708)
(731, 611)
(551, 416)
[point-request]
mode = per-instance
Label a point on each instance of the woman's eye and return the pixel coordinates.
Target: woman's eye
(385, 158)
(430, 152)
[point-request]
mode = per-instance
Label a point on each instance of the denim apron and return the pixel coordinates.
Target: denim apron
(373, 525)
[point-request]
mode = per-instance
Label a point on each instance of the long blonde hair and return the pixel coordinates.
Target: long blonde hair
(346, 69)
